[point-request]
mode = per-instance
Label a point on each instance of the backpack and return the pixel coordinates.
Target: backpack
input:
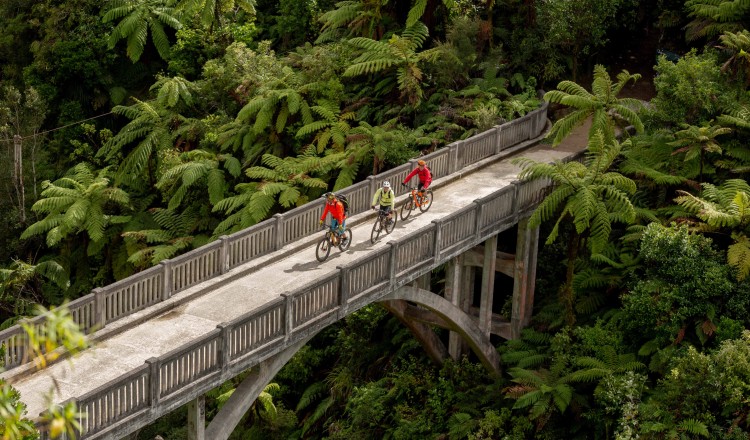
(344, 201)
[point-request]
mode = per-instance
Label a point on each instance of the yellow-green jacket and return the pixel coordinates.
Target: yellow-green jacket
(382, 198)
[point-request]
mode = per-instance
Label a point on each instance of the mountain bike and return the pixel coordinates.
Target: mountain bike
(417, 199)
(332, 239)
(382, 223)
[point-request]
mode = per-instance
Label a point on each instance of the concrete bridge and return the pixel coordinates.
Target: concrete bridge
(167, 335)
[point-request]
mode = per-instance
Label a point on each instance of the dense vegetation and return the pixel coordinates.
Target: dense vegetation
(141, 129)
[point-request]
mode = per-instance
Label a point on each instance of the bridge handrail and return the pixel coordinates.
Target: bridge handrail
(159, 283)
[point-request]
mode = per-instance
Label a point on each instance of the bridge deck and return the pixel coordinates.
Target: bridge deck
(128, 350)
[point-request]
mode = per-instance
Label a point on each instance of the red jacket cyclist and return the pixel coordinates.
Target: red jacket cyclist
(336, 208)
(425, 177)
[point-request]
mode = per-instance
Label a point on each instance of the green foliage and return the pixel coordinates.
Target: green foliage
(579, 27)
(353, 18)
(683, 286)
(589, 194)
(714, 17)
(602, 105)
(137, 18)
(696, 142)
(681, 98)
(149, 130)
(211, 11)
(725, 207)
(172, 90)
(289, 182)
(399, 52)
(81, 202)
(20, 283)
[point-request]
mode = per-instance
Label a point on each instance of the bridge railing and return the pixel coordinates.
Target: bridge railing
(151, 286)
(243, 342)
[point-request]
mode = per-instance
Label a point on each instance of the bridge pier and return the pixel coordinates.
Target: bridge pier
(524, 277)
(196, 423)
(488, 285)
(456, 291)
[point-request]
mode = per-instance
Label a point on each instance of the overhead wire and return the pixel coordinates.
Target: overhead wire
(57, 128)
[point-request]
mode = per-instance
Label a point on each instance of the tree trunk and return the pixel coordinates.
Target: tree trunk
(567, 296)
(18, 177)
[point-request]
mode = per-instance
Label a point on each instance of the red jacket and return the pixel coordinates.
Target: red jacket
(425, 177)
(336, 209)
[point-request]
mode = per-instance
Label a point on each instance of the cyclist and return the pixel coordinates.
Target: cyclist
(425, 176)
(384, 197)
(338, 219)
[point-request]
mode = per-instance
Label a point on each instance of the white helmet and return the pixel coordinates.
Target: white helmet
(386, 184)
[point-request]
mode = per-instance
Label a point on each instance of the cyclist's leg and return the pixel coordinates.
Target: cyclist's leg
(335, 225)
(420, 189)
(387, 210)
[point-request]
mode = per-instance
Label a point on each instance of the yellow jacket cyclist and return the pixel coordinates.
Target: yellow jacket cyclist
(384, 197)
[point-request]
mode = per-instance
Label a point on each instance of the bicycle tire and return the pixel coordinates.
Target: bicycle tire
(376, 228)
(406, 209)
(389, 228)
(323, 249)
(348, 234)
(426, 201)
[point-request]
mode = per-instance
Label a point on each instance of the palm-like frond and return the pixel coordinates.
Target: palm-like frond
(137, 17)
(87, 196)
(602, 105)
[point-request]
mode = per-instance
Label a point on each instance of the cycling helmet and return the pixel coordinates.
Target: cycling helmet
(420, 162)
(329, 195)
(386, 184)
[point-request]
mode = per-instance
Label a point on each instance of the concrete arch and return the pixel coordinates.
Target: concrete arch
(248, 391)
(459, 322)
(240, 401)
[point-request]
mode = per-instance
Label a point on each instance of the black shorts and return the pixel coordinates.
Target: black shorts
(386, 209)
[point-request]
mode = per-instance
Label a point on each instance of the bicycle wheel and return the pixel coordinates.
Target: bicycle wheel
(389, 226)
(376, 228)
(346, 240)
(323, 249)
(406, 209)
(426, 201)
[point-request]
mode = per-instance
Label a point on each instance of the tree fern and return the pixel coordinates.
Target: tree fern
(725, 207)
(602, 105)
(137, 18)
(588, 195)
(399, 52)
(714, 17)
(81, 202)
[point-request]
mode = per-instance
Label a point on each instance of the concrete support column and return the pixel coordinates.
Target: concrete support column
(196, 423)
(524, 277)
(488, 286)
(424, 281)
(454, 270)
